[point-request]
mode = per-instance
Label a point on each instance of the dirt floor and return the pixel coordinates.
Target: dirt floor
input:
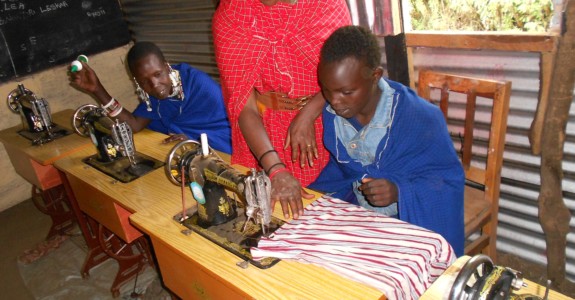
(533, 272)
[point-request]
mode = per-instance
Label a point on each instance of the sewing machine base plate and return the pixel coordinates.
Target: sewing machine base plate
(39, 138)
(230, 237)
(122, 170)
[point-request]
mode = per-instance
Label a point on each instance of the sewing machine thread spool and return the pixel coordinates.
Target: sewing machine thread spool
(76, 65)
(197, 192)
(82, 58)
(205, 146)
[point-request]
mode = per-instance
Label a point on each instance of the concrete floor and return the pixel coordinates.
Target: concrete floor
(22, 227)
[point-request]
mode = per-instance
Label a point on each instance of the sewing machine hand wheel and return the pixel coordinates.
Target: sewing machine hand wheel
(13, 96)
(469, 279)
(79, 119)
(181, 154)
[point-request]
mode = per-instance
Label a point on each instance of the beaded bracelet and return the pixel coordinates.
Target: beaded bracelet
(265, 153)
(284, 169)
(112, 108)
(116, 112)
(276, 164)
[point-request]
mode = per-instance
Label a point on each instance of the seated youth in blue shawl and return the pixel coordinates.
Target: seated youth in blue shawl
(390, 150)
(175, 99)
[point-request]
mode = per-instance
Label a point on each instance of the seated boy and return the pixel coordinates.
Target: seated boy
(175, 99)
(390, 150)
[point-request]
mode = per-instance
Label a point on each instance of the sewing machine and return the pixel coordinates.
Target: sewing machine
(116, 153)
(479, 279)
(36, 117)
(234, 224)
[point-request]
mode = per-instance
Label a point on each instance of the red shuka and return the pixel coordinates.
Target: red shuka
(273, 48)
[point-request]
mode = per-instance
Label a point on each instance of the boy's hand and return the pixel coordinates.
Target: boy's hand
(86, 79)
(379, 192)
(288, 191)
(175, 138)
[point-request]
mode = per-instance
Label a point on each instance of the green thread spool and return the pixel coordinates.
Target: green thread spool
(82, 58)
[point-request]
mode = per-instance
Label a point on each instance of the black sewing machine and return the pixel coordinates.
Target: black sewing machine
(480, 279)
(236, 224)
(36, 117)
(116, 153)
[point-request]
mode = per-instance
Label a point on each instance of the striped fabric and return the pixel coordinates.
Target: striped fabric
(399, 259)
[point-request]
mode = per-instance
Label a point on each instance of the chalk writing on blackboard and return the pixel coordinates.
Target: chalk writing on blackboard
(38, 34)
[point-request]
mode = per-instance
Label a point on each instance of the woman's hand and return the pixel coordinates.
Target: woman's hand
(379, 192)
(301, 137)
(288, 191)
(301, 132)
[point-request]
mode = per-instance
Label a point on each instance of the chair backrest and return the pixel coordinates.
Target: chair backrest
(479, 106)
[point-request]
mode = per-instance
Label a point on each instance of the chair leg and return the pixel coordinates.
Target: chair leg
(491, 250)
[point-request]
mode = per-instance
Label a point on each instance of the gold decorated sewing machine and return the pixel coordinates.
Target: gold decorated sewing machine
(116, 155)
(234, 220)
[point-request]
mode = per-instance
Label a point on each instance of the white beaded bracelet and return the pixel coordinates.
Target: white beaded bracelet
(116, 112)
(113, 108)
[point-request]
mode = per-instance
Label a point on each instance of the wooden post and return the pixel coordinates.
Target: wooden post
(554, 215)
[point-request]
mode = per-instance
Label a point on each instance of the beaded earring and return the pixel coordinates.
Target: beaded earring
(176, 80)
(143, 95)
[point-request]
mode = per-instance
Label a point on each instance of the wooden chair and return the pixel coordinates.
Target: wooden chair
(478, 110)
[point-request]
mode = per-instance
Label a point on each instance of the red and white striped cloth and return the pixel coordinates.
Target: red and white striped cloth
(399, 259)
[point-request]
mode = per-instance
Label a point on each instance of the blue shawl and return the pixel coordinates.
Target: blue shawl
(417, 155)
(201, 111)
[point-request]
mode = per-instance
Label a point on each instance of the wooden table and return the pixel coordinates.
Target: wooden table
(439, 290)
(190, 265)
(35, 164)
(107, 204)
(195, 268)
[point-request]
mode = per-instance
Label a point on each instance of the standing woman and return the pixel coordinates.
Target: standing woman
(267, 52)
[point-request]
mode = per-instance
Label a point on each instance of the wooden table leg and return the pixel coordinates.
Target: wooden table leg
(89, 229)
(131, 257)
(54, 202)
(104, 244)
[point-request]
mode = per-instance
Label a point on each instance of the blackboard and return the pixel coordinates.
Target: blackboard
(38, 34)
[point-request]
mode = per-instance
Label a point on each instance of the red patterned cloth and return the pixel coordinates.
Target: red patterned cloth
(273, 48)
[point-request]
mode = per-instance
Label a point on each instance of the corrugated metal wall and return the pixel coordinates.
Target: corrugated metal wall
(182, 29)
(519, 231)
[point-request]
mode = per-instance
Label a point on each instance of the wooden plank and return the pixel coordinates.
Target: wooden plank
(482, 41)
